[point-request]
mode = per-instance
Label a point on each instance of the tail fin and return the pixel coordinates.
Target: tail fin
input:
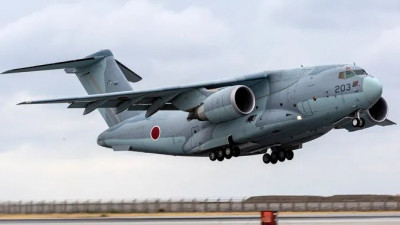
(99, 73)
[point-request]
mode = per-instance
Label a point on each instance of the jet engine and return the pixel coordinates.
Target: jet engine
(378, 112)
(226, 104)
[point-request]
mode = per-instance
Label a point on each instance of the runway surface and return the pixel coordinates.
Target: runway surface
(293, 219)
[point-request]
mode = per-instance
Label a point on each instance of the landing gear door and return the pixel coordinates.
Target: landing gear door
(307, 108)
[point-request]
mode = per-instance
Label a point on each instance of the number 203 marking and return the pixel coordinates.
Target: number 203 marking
(342, 88)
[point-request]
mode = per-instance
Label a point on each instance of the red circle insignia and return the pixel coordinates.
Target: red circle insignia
(155, 132)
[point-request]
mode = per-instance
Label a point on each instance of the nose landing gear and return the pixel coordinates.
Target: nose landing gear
(358, 122)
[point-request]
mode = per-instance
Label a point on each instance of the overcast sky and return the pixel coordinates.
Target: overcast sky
(49, 152)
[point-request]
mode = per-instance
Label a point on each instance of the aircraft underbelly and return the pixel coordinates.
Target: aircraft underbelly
(160, 146)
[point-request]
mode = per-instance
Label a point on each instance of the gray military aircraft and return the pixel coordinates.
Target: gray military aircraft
(270, 113)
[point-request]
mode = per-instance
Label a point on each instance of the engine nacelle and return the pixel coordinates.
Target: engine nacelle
(376, 114)
(226, 104)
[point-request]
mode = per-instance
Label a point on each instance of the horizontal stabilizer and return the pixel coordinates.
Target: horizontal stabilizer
(70, 66)
(60, 65)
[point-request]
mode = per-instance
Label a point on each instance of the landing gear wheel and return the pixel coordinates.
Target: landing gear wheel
(289, 155)
(356, 122)
(228, 153)
(220, 155)
(266, 158)
(274, 157)
(236, 151)
(212, 155)
(362, 122)
(281, 156)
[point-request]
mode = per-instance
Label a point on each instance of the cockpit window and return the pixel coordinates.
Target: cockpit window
(360, 72)
(342, 75)
(351, 73)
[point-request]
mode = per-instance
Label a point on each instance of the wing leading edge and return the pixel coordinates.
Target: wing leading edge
(171, 98)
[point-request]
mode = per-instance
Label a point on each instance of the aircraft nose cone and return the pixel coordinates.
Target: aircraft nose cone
(372, 89)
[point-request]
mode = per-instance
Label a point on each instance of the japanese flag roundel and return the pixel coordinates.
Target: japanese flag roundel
(155, 132)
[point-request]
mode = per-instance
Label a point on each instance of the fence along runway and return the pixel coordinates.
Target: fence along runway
(292, 219)
(253, 204)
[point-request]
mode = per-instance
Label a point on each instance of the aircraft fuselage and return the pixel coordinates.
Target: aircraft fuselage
(292, 107)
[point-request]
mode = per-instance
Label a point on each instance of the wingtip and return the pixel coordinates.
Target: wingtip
(10, 71)
(24, 103)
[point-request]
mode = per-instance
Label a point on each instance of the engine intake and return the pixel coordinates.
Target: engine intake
(378, 112)
(226, 104)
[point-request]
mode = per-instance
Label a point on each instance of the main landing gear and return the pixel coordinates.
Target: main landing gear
(224, 153)
(278, 155)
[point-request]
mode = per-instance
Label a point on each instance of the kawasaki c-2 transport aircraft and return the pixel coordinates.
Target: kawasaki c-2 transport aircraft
(270, 113)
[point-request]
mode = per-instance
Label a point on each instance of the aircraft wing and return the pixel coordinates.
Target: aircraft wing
(172, 98)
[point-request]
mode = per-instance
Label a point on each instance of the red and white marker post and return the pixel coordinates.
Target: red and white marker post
(268, 218)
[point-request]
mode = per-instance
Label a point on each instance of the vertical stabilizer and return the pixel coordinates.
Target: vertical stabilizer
(104, 76)
(99, 73)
